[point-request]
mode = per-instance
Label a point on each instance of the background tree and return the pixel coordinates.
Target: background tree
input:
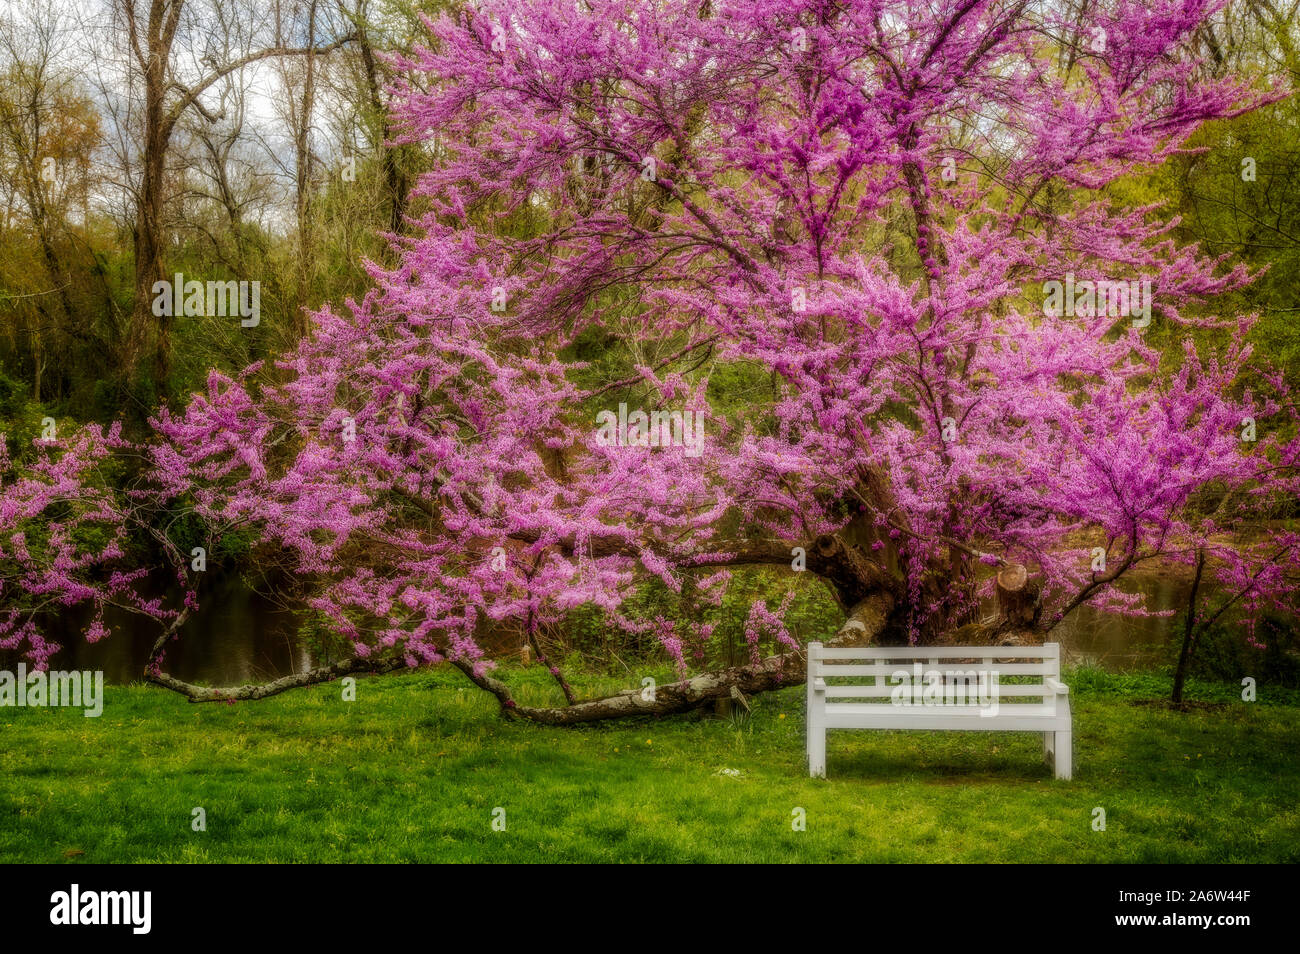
(48, 133)
(172, 87)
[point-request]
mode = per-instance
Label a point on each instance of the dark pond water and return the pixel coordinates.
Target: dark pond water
(239, 636)
(1125, 642)
(242, 636)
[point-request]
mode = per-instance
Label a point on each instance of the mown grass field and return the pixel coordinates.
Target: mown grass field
(413, 770)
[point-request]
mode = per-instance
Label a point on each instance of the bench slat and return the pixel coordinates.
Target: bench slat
(888, 669)
(1007, 719)
(1046, 651)
(885, 692)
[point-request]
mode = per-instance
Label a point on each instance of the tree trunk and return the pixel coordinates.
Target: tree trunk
(394, 177)
(1189, 634)
(301, 116)
(153, 59)
(148, 271)
(1019, 597)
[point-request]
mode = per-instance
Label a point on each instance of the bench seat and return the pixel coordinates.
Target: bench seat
(858, 715)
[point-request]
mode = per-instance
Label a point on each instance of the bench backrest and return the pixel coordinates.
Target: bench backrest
(954, 675)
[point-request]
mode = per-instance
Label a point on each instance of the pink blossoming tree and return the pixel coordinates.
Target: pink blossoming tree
(62, 534)
(858, 205)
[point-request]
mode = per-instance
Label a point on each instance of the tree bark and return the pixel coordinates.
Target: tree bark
(1019, 597)
(301, 116)
(152, 59)
(347, 667)
(1189, 634)
(394, 176)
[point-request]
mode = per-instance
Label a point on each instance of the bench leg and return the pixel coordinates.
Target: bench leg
(1063, 748)
(1049, 754)
(816, 751)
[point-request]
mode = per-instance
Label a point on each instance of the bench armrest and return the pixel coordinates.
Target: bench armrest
(819, 685)
(1056, 686)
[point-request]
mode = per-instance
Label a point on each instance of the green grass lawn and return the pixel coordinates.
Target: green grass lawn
(413, 770)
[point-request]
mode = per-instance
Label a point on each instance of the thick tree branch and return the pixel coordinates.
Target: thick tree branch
(347, 667)
(866, 621)
(190, 94)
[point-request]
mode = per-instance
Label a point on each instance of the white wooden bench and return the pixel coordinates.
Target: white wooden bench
(863, 688)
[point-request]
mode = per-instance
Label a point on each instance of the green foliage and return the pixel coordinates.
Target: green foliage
(316, 633)
(604, 647)
(1256, 223)
(20, 417)
(1222, 654)
(1156, 685)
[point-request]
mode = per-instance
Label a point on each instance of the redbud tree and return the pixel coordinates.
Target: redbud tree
(857, 207)
(63, 538)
